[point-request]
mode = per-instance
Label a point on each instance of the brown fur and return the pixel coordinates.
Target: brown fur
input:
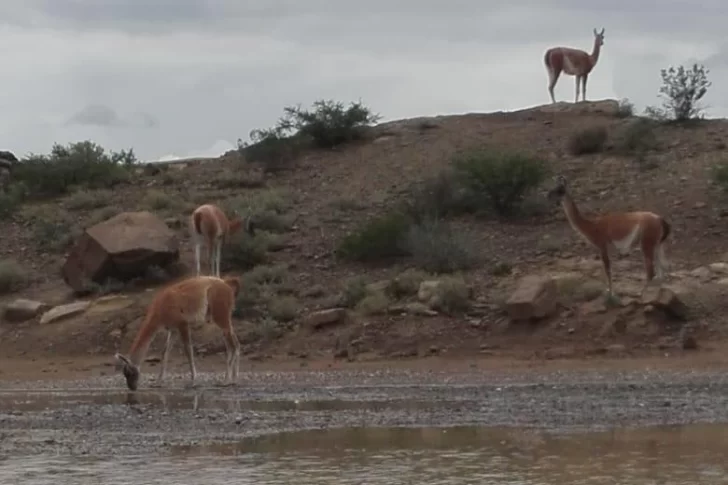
(210, 225)
(607, 231)
(572, 62)
(178, 306)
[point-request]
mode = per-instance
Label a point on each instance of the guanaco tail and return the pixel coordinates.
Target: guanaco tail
(180, 306)
(210, 226)
(618, 230)
(573, 62)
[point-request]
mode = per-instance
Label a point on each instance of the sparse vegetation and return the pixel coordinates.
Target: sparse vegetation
(283, 309)
(588, 140)
(381, 238)
(373, 303)
(498, 180)
(720, 176)
(625, 108)
(681, 92)
(89, 199)
(636, 137)
(78, 165)
(436, 248)
(407, 283)
(12, 276)
(452, 295)
(329, 124)
(157, 200)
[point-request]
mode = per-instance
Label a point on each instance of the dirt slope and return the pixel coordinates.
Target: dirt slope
(331, 192)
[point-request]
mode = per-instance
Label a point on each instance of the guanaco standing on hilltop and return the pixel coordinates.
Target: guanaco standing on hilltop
(618, 230)
(178, 306)
(210, 225)
(573, 62)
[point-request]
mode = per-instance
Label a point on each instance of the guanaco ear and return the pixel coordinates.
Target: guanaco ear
(602, 32)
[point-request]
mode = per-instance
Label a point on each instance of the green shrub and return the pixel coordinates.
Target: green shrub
(681, 92)
(327, 125)
(78, 165)
(498, 180)
(637, 137)
(243, 252)
(436, 248)
(11, 200)
(720, 175)
(330, 123)
(12, 276)
(625, 109)
(378, 239)
(440, 196)
(588, 140)
(273, 148)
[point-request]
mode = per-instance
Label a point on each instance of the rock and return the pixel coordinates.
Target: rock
(21, 310)
(121, 248)
(8, 156)
(721, 268)
(535, 297)
(413, 308)
(666, 300)
(323, 318)
(702, 273)
(64, 311)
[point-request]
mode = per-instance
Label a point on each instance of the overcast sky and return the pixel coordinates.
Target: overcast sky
(179, 78)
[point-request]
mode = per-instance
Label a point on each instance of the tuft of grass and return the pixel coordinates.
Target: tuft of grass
(436, 248)
(588, 140)
(355, 289)
(284, 309)
(375, 303)
(89, 199)
(637, 137)
(625, 109)
(452, 296)
(380, 238)
(720, 175)
(12, 276)
(407, 283)
(158, 200)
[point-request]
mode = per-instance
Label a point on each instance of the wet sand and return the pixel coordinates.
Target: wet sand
(93, 414)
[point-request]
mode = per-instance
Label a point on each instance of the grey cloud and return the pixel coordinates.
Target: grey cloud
(103, 116)
(96, 115)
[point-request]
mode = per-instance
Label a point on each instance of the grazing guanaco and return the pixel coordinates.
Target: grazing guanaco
(573, 62)
(210, 225)
(617, 230)
(179, 306)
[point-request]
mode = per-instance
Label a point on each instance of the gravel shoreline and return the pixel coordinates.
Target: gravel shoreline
(95, 416)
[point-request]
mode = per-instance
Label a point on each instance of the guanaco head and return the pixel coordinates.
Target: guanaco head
(559, 191)
(599, 37)
(130, 371)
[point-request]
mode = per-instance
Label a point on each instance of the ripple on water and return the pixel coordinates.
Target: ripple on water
(393, 456)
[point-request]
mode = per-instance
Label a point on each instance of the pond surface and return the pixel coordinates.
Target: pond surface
(455, 455)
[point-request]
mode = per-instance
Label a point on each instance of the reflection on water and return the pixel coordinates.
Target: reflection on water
(453, 456)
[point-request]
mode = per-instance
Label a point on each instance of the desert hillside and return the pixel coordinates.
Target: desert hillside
(378, 307)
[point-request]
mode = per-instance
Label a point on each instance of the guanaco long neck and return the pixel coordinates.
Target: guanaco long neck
(143, 339)
(576, 219)
(594, 56)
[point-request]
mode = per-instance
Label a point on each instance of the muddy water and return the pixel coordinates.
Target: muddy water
(393, 456)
